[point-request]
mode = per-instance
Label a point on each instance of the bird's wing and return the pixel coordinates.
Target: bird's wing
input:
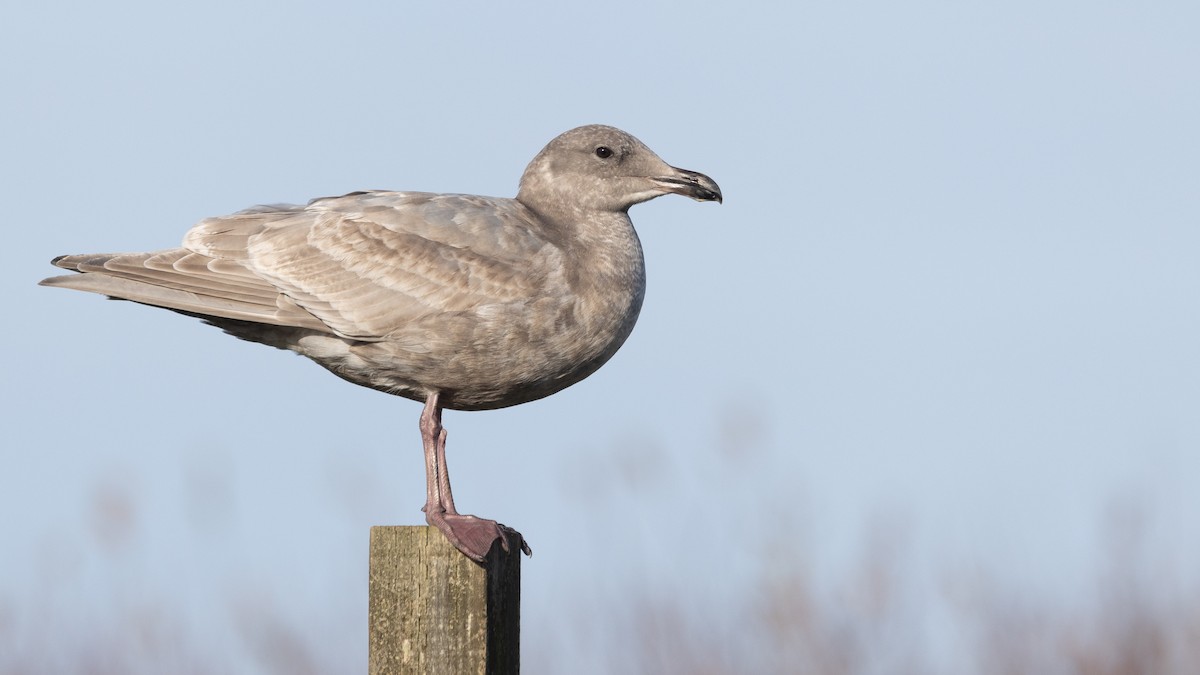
(366, 264)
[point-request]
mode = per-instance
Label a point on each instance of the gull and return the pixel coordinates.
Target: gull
(457, 301)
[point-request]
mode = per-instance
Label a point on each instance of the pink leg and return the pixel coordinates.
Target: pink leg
(444, 492)
(469, 534)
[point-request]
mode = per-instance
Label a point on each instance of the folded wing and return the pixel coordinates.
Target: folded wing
(359, 266)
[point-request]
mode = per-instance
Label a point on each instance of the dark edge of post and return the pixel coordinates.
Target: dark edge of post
(504, 606)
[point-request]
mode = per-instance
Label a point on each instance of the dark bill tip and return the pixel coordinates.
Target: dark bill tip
(692, 184)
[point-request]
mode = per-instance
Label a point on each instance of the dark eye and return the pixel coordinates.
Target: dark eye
(603, 152)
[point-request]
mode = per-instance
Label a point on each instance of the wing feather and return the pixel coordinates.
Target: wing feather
(368, 264)
(362, 266)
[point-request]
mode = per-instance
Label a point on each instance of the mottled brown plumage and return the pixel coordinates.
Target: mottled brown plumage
(459, 301)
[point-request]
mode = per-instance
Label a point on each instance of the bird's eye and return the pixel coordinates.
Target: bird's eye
(603, 152)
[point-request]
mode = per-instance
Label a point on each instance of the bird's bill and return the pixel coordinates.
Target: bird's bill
(690, 184)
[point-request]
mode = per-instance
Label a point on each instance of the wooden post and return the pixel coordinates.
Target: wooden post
(433, 610)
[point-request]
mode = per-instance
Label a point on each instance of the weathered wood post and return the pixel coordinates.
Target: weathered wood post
(433, 610)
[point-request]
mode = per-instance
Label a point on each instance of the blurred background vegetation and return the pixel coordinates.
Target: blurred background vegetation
(884, 613)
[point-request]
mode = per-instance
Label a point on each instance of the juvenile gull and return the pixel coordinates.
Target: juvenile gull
(459, 301)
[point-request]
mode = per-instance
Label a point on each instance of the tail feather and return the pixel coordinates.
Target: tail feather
(186, 282)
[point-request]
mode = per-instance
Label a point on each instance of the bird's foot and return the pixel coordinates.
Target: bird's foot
(475, 536)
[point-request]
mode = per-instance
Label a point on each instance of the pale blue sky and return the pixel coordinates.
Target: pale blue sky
(954, 284)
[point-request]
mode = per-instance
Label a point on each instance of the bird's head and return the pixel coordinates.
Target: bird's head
(601, 168)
